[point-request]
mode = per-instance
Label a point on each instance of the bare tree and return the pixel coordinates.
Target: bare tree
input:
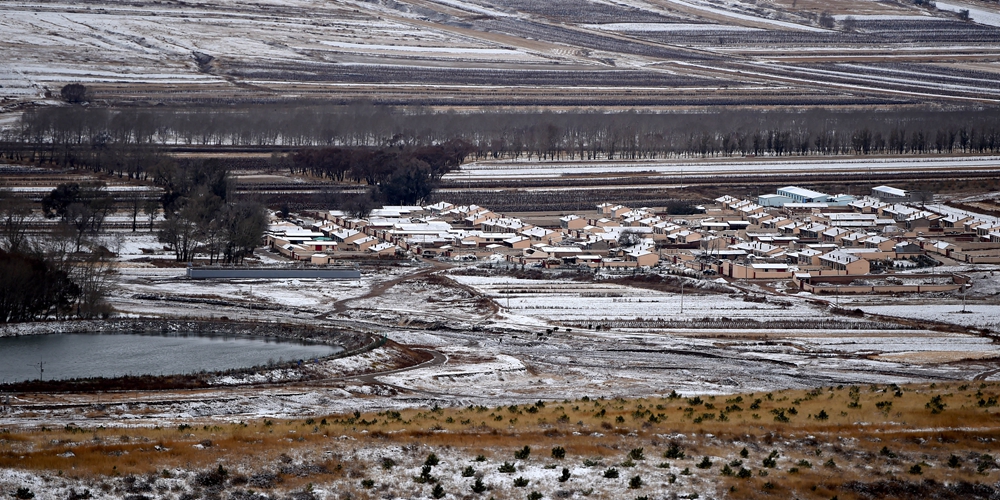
(14, 214)
(81, 208)
(151, 208)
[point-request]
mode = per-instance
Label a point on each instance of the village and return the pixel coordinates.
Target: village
(824, 244)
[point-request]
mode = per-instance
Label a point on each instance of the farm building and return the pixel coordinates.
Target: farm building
(803, 195)
(890, 194)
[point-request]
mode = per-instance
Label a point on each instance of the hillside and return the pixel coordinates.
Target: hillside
(458, 53)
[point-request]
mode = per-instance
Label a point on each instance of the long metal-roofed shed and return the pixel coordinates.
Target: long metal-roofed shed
(803, 195)
(203, 273)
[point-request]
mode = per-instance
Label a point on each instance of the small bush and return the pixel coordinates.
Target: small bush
(523, 453)
(935, 405)
(388, 463)
(636, 454)
(916, 470)
(565, 475)
(954, 462)
(469, 471)
(674, 452)
(822, 415)
(559, 453)
(611, 473)
(425, 476)
(438, 491)
(985, 463)
(635, 483)
(367, 484)
(83, 495)
(23, 493)
(520, 482)
(480, 458)
(432, 460)
(478, 486)
(744, 453)
(744, 473)
(704, 464)
(772, 460)
(507, 468)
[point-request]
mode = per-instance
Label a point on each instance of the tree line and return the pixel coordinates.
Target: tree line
(127, 141)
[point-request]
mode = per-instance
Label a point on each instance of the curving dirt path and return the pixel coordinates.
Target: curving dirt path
(377, 290)
(986, 374)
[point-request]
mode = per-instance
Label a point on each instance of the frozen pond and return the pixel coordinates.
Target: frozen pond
(66, 356)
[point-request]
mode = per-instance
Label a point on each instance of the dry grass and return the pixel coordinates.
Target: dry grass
(873, 436)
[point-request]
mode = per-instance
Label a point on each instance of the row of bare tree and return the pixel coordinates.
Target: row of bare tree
(125, 141)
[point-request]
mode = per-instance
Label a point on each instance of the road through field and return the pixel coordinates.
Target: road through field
(493, 170)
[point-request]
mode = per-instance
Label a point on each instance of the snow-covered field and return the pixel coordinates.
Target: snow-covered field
(155, 42)
(977, 13)
(658, 27)
(975, 315)
(164, 49)
(736, 16)
(571, 302)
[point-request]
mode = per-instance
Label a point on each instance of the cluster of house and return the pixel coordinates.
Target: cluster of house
(795, 234)
(614, 237)
(821, 240)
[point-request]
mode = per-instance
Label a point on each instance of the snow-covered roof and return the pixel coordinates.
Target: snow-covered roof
(380, 247)
(891, 191)
(840, 257)
(803, 192)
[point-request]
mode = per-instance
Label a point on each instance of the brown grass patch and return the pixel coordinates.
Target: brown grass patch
(846, 441)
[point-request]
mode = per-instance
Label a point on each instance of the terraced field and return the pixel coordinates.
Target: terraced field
(445, 53)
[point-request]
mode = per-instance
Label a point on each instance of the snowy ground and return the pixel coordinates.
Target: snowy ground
(509, 349)
(487, 351)
(571, 302)
(975, 315)
(494, 355)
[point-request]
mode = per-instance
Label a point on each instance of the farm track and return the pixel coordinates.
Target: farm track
(379, 289)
